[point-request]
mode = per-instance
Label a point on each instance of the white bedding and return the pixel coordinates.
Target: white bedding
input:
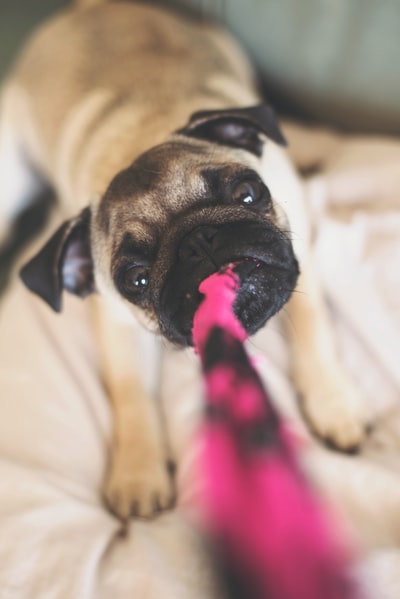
(57, 540)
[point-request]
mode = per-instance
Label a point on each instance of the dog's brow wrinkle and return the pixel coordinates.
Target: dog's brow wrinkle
(132, 246)
(212, 176)
(149, 170)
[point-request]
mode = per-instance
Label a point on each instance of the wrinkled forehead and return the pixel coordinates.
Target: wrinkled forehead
(168, 176)
(166, 180)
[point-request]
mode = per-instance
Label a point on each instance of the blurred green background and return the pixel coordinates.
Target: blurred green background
(17, 19)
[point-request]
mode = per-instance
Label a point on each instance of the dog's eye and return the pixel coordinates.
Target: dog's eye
(135, 279)
(249, 192)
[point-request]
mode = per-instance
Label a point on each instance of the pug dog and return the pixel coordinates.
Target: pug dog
(151, 130)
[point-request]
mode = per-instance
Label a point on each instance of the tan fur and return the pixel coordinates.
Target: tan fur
(138, 480)
(83, 123)
(96, 108)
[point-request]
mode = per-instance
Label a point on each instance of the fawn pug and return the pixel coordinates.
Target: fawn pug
(167, 164)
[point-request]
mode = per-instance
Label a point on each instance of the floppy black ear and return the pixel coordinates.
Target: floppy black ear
(65, 262)
(237, 127)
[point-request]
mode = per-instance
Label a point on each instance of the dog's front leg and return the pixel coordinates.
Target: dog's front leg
(138, 482)
(330, 401)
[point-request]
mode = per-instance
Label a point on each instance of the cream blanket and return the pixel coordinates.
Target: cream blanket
(57, 539)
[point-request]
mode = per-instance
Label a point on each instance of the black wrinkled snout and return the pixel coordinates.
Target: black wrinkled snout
(266, 266)
(198, 245)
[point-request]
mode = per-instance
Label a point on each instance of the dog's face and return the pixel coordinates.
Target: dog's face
(181, 211)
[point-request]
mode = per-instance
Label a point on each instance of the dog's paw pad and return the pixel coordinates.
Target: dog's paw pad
(141, 493)
(337, 413)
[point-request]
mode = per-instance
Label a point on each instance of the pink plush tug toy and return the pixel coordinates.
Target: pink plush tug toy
(271, 536)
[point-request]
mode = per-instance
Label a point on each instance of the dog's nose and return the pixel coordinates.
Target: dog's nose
(198, 243)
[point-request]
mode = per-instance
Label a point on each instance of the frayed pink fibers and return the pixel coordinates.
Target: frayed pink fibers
(268, 527)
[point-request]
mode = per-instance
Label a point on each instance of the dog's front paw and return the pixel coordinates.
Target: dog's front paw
(335, 410)
(138, 487)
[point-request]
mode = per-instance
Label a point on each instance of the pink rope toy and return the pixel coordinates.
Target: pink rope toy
(271, 535)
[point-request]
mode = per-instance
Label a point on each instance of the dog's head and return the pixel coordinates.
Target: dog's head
(180, 212)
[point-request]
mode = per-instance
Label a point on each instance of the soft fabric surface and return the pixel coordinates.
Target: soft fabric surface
(57, 539)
